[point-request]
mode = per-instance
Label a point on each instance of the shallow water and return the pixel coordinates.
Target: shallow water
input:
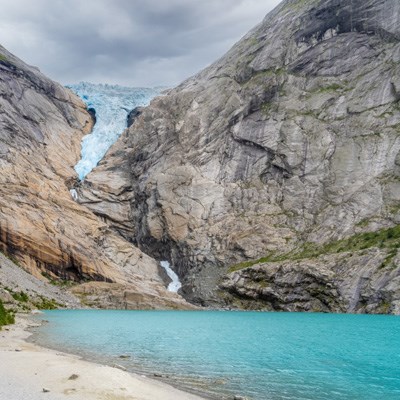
(260, 355)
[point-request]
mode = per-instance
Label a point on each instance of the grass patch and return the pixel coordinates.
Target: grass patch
(6, 317)
(3, 58)
(385, 238)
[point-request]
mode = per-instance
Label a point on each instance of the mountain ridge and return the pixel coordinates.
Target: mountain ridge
(291, 137)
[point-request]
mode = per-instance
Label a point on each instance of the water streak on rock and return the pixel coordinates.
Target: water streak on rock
(175, 285)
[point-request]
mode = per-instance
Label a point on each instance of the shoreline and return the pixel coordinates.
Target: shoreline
(28, 370)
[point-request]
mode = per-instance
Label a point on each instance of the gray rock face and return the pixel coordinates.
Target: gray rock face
(41, 226)
(133, 115)
(344, 282)
(292, 137)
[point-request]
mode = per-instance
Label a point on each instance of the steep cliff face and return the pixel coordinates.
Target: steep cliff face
(41, 127)
(293, 137)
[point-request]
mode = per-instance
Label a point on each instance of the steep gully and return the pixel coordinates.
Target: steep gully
(113, 108)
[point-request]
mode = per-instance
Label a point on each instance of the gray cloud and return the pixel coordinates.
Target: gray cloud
(129, 42)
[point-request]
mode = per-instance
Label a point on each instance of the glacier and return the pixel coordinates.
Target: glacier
(112, 104)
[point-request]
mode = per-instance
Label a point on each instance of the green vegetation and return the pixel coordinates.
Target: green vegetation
(20, 296)
(3, 58)
(363, 223)
(11, 257)
(394, 209)
(299, 4)
(330, 88)
(384, 238)
(266, 107)
(385, 307)
(252, 41)
(58, 282)
(309, 113)
(46, 304)
(343, 87)
(270, 72)
(6, 317)
(260, 77)
(26, 302)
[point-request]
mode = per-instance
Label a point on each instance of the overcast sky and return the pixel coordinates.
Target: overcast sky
(128, 42)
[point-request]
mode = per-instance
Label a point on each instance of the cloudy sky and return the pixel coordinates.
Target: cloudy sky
(128, 42)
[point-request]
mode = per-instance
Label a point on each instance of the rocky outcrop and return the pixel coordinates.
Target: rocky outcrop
(133, 115)
(121, 296)
(41, 226)
(346, 282)
(292, 137)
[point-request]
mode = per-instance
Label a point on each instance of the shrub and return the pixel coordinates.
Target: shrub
(6, 317)
(46, 304)
(20, 296)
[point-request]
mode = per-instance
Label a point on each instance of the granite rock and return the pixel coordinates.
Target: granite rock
(292, 137)
(41, 226)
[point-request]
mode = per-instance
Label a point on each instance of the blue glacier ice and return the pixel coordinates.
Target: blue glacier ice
(112, 104)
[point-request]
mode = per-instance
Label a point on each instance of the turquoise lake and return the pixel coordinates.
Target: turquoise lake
(264, 356)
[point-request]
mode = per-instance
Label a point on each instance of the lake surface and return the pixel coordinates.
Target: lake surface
(259, 355)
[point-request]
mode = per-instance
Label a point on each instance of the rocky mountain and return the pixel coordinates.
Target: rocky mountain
(41, 227)
(271, 178)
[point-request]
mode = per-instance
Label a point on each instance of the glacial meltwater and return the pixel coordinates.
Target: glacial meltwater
(258, 355)
(175, 283)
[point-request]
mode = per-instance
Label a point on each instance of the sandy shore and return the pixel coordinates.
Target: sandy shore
(26, 369)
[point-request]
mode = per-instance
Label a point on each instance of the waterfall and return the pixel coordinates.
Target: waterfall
(74, 194)
(175, 285)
